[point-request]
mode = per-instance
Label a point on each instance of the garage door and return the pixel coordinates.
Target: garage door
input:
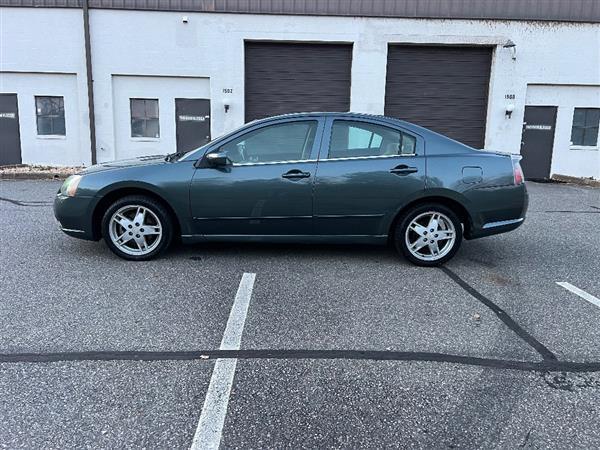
(283, 78)
(441, 88)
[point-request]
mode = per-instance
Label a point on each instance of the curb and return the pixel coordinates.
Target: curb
(32, 176)
(576, 180)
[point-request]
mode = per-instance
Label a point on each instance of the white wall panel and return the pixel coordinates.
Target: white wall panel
(47, 150)
(568, 159)
(165, 89)
(210, 46)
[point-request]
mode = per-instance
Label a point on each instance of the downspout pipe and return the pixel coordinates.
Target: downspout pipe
(90, 80)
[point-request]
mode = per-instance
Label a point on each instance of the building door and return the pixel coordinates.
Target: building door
(284, 78)
(537, 141)
(192, 116)
(10, 140)
(444, 88)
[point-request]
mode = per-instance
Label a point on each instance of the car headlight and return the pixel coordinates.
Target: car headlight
(70, 185)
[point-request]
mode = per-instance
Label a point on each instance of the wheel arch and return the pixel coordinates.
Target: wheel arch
(110, 196)
(455, 205)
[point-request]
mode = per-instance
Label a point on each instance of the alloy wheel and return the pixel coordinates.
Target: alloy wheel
(430, 236)
(135, 230)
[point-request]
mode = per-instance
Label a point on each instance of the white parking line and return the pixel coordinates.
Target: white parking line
(210, 426)
(584, 295)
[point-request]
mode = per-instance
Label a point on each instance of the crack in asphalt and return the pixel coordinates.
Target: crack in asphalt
(572, 212)
(527, 436)
(549, 362)
(26, 202)
(539, 366)
(565, 381)
(503, 316)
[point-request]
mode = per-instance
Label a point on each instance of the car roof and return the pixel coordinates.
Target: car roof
(419, 130)
(346, 115)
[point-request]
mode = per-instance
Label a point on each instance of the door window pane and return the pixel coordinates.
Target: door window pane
(291, 141)
(408, 145)
(356, 139)
(50, 115)
(585, 126)
(144, 117)
(361, 138)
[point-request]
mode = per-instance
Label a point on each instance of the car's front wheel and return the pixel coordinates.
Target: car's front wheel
(137, 228)
(429, 234)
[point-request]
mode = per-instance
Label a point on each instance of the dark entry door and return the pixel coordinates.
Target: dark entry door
(193, 123)
(10, 141)
(537, 141)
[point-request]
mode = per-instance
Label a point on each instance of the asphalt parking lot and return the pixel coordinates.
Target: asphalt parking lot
(341, 346)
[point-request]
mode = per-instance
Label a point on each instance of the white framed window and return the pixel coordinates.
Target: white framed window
(50, 115)
(144, 118)
(584, 131)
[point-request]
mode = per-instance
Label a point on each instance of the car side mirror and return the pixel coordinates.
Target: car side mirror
(218, 159)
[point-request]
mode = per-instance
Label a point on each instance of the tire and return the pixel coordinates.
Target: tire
(420, 239)
(142, 239)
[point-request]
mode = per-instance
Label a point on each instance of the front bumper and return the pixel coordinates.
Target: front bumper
(75, 215)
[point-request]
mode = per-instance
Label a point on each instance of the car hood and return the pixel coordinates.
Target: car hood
(123, 163)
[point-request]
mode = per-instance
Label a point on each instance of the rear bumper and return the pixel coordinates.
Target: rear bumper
(75, 215)
(502, 226)
(507, 212)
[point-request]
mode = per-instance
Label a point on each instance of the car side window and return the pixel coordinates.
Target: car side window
(355, 139)
(292, 141)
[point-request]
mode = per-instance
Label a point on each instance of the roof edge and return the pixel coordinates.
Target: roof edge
(577, 11)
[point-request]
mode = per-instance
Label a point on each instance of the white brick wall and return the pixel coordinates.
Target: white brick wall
(210, 46)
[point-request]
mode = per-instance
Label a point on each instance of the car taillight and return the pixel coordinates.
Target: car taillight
(517, 171)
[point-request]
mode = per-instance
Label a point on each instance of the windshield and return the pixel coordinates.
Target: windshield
(198, 152)
(181, 155)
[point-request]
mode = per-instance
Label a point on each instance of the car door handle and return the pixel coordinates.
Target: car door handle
(295, 174)
(403, 169)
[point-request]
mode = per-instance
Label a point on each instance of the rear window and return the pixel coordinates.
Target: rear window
(361, 139)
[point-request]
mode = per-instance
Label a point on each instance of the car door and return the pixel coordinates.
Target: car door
(268, 188)
(367, 171)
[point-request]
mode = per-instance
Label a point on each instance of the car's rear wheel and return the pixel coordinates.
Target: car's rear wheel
(137, 228)
(429, 234)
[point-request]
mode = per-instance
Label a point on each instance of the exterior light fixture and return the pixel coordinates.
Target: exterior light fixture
(226, 104)
(513, 48)
(509, 110)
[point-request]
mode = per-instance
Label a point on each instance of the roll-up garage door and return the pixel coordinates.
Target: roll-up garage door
(439, 87)
(296, 77)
